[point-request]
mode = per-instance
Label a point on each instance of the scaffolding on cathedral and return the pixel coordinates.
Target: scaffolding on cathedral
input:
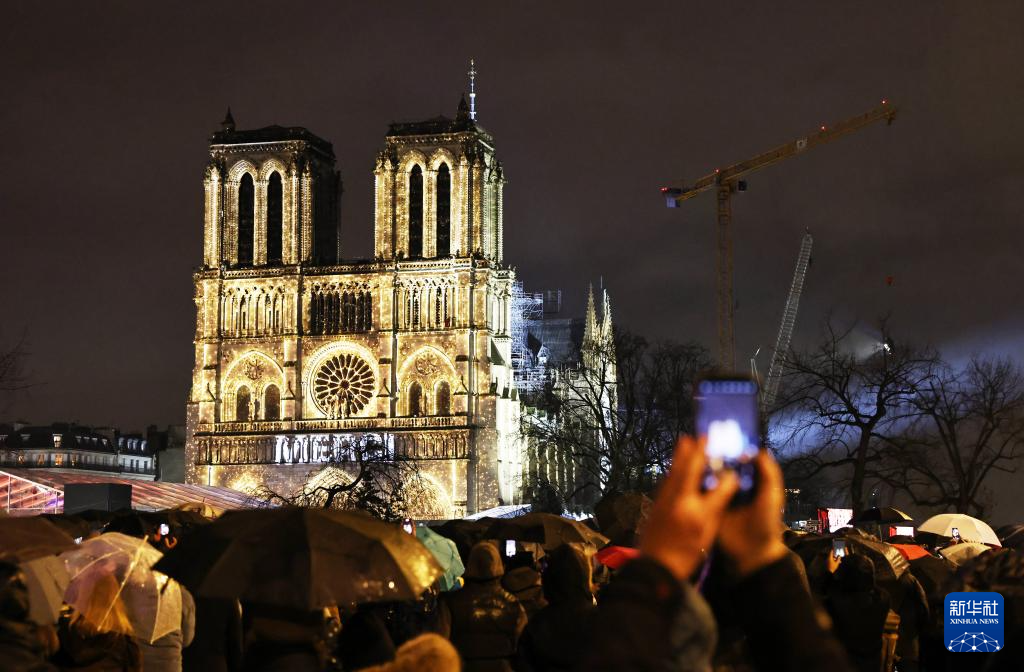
(527, 307)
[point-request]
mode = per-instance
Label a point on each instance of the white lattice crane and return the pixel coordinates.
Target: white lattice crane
(771, 384)
(727, 180)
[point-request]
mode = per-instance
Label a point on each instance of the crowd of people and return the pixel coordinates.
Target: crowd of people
(713, 587)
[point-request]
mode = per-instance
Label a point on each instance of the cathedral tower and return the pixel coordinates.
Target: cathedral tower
(438, 191)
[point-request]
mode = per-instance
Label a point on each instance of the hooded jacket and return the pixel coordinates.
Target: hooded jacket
(426, 653)
(557, 636)
(486, 619)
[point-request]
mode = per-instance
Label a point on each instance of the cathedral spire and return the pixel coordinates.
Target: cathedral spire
(472, 89)
(229, 121)
(590, 332)
(606, 319)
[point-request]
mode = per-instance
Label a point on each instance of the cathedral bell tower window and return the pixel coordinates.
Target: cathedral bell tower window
(246, 220)
(274, 218)
(444, 211)
(415, 213)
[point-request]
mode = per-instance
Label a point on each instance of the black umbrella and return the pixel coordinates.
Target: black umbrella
(27, 538)
(547, 529)
(465, 533)
(622, 515)
(302, 558)
(883, 515)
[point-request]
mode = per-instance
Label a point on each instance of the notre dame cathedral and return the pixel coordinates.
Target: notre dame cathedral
(299, 352)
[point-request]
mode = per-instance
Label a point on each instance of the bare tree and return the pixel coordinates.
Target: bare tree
(610, 426)
(839, 405)
(970, 424)
(366, 475)
(12, 368)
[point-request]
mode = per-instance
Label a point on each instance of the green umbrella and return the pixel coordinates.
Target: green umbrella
(446, 553)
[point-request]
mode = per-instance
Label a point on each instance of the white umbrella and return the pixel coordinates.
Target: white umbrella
(152, 600)
(46, 579)
(958, 554)
(970, 529)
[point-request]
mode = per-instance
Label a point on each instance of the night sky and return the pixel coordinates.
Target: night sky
(594, 106)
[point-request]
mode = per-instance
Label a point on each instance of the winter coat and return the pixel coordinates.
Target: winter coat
(647, 620)
(486, 619)
(556, 637)
(858, 610)
(22, 647)
(164, 655)
(283, 640)
(426, 653)
(786, 631)
(525, 584)
(364, 641)
(217, 644)
(85, 652)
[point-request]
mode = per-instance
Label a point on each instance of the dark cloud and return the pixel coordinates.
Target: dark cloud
(108, 107)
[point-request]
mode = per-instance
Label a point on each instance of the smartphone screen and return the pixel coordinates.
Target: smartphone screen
(165, 529)
(407, 526)
(728, 415)
(956, 532)
(839, 548)
(510, 547)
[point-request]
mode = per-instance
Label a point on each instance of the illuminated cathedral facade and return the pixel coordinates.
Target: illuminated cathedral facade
(298, 353)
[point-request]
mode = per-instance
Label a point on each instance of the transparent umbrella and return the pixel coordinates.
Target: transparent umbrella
(152, 600)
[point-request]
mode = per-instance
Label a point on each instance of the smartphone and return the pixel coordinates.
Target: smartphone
(728, 415)
(408, 526)
(839, 548)
(165, 529)
(956, 533)
(510, 548)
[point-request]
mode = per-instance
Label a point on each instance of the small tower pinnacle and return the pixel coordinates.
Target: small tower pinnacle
(229, 122)
(590, 326)
(472, 89)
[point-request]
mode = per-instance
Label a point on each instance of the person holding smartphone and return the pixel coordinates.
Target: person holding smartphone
(650, 617)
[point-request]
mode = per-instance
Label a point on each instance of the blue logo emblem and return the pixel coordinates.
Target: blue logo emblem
(974, 622)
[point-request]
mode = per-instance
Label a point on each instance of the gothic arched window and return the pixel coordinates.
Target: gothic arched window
(275, 215)
(415, 212)
(246, 219)
(272, 403)
(444, 399)
(415, 400)
(242, 402)
(444, 211)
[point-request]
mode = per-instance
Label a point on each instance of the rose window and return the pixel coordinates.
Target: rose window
(343, 385)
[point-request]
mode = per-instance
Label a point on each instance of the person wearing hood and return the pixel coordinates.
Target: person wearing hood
(858, 610)
(429, 652)
(523, 580)
(486, 619)
(556, 637)
(23, 644)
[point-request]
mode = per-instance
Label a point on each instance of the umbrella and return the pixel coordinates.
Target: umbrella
(911, 551)
(882, 515)
(26, 538)
(445, 552)
(556, 530)
(302, 558)
(971, 529)
(616, 556)
(1012, 536)
(958, 554)
(151, 600)
(46, 579)
(465, 533)
(622, 515)
(73, 525)
(889, 562)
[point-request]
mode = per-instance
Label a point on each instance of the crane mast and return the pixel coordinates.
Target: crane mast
(727, 180)
(803, 261)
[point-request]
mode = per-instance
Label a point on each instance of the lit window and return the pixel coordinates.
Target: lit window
(56, 440)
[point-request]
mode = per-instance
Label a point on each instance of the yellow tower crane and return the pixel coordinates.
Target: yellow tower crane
(726, 181)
